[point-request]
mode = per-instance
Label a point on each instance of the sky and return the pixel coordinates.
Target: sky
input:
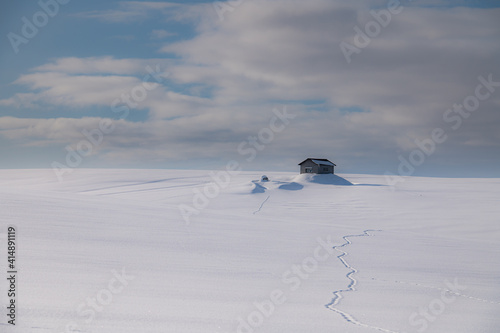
(379, 87)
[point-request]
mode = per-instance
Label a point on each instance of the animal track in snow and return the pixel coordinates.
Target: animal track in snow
(351, 286)
(261, 205)
(449, 291)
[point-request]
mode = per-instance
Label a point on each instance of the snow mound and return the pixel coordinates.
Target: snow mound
(327, 179)
(293, 186)
(287, 183)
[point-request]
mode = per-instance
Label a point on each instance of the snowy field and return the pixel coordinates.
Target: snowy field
(110, 251)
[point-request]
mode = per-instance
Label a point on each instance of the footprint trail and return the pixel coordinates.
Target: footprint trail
(351, 286)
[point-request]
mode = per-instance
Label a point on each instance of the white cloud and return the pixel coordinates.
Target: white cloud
(408, 76)
(100, 65)
(161, 34)
(84, 82)
(59, 89)
(265, 53)
(42, 132)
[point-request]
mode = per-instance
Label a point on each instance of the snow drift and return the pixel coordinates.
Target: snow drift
(325, 179)
(107, 251)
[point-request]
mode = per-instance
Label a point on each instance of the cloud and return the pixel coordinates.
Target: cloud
(161, 34)
(57, 89)
(28, 100)
(45, 132)
(99, 65)
(224, 82)
(407, 77)
(84, 82)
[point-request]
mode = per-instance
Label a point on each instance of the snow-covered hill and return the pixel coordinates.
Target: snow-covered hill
(192, 251)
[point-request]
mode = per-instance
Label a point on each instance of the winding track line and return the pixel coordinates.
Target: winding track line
(449, 291)
(261, 205)
(351, 286)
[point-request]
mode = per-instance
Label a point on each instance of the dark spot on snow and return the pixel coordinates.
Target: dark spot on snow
(293, 186)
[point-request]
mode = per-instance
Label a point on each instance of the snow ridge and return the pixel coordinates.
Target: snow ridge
(351, 286)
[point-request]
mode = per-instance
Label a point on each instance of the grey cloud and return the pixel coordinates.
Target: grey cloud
(284, 52)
